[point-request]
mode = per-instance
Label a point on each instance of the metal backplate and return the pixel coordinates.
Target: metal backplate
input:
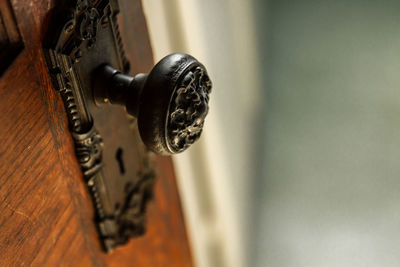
(118, 170)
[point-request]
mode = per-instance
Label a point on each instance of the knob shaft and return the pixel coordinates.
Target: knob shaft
(170, 103)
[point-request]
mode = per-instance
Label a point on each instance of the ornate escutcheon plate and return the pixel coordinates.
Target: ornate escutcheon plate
(118, 170)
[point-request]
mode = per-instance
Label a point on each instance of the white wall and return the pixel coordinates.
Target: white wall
(215, 195)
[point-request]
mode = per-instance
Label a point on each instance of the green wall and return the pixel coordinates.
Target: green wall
(327, 189)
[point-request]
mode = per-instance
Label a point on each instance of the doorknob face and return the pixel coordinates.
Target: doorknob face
(166, 107)
(171, 102)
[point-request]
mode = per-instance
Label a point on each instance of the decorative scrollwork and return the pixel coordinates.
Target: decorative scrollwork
(129, 218)
(131, 215)
(82, 22)
(188, 109)
(89, 148)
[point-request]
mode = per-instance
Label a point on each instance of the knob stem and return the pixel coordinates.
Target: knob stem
(110, 85)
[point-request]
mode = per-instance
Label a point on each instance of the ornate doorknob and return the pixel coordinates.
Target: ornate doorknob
(170, 103)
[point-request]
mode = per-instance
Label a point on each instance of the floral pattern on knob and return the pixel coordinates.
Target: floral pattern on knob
(188, 109)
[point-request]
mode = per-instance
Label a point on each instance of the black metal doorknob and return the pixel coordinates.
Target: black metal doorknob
(170, 103)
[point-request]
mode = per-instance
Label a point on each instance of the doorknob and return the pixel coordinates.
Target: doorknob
(170, 103)
(88, 66)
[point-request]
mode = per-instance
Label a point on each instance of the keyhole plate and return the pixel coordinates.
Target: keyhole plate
(107, 142)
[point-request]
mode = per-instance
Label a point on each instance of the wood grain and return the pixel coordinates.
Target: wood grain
(46, 215)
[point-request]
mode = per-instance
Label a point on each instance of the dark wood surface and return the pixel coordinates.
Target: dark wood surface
(46, 215)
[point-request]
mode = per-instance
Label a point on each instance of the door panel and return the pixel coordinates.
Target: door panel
(46, 212)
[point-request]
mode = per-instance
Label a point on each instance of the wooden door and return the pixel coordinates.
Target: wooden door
(46, 215)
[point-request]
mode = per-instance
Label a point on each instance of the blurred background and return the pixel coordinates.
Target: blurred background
(298, 164)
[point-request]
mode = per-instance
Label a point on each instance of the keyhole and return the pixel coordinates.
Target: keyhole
(121, 164)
